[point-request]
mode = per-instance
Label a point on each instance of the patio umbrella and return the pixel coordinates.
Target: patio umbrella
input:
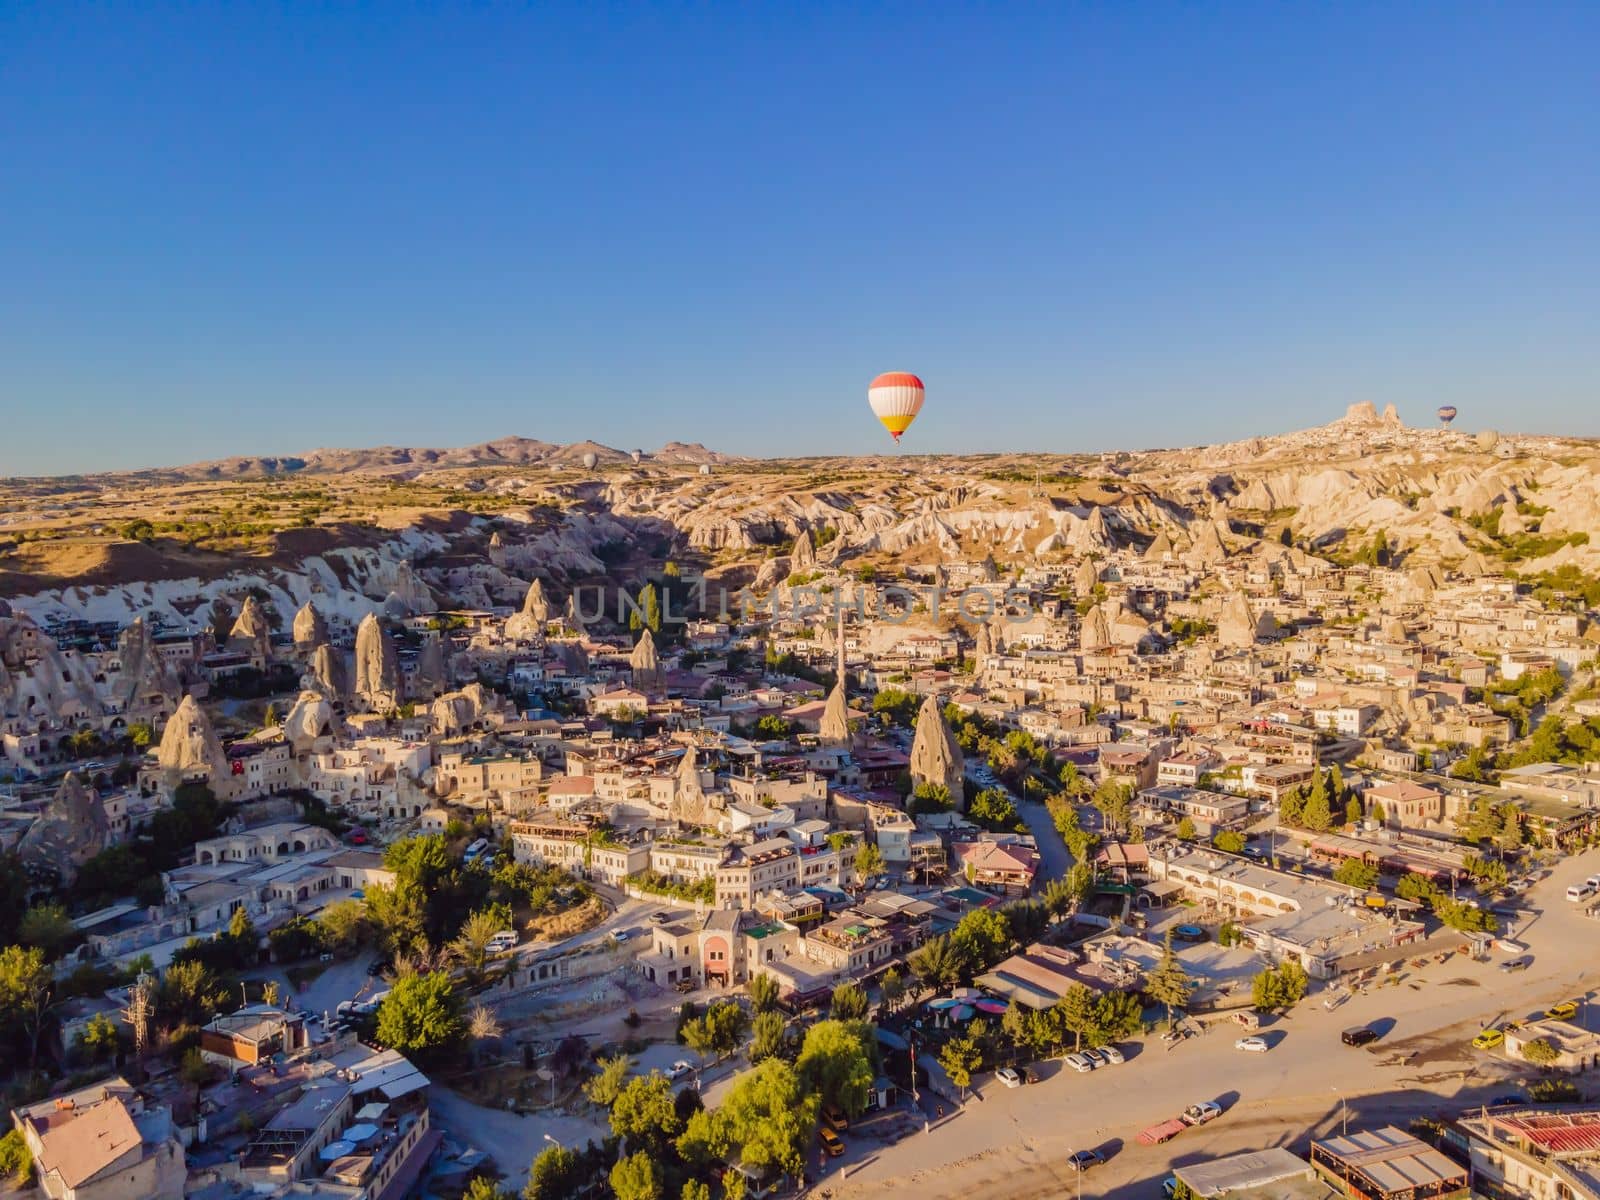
(993, 1007)
(963, 1013)
(941, 1005)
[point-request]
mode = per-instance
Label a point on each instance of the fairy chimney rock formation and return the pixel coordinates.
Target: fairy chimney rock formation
(71, 830)
(1238, 626)
(528, 623)
(935, 757)
(252, 632)
(377, 669)
(645, 662)
(804, 555)
(189, 748)
(310, 630)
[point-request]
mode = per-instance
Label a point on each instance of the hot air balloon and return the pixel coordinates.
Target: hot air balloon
(637, 455)
(589, 460)
(896, 399)
(1447, 413)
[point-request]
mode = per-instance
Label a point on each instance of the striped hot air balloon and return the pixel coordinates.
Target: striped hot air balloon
(1447, 413)
(896, 399)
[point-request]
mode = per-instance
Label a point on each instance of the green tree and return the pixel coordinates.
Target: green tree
(765, 1123)
(649, 606)
(97, 1041)
(1115, 802)
(895, 706)
(892, 988)
(1118, 1015)
(1317, 815)
(763, 991)
(557, 1174)
(1229, 841)
(929, 798)
(693, 1189)
(482, 1187)
(1075, 1013)
(1355, 873)
(1169, 984)
(1186, 831)
(344, 926)
(421, 1015)
(637, 1177)
(960, 1058)
(1541, 1053)
(869, 862)
(1415, 887)
(471, 945)
(644, 1112)
(766, 1036)
(48, 927)
(849, 1002)
(983, 937)
(141, 734)
(16, 1160)
(940, 963)
(838, 1062)
(1352, 811)
(190, 993)
(719, 1031)
(1291, 808)
(604, 1088)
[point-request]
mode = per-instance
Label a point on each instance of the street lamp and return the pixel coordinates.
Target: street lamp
(1344, 1114)
(560, 1145)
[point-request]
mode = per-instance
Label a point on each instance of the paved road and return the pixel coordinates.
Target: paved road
(1054, 856)
(1013, 1142)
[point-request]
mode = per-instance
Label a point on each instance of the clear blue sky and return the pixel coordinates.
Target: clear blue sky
(264, 228)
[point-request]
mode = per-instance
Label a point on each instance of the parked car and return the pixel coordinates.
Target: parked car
(661, 918)
(1079, 1063)
(1031, 1075)
(1335, 998)
(678, 1070)
(1361, 1035)
(1564, 1011)
(1082, 1160)
(1508, 1098)
(1516, 964)
(1112, 1055)
(1008, 1077)
(830, 1142)
(1247, 1018)
(834, 1119)
(619, 935)
(1489, 1038)
(1096, 1058)
(1256, 1045)
(1199, 1114)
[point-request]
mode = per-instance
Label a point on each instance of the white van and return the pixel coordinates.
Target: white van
(501, 942)
(1579, 892)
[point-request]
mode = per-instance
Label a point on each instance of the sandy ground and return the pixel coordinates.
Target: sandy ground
(1014, 1143)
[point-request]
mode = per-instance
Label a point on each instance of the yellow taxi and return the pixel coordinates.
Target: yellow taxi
(831, 1142)
(1489, 1038)
(1564, 1011)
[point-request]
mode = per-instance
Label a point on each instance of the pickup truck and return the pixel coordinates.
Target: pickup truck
(1165, 1131)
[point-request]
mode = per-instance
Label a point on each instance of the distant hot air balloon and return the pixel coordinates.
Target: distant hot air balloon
(637, 456)
(896, 399)
(589, 460)
(1447, 413)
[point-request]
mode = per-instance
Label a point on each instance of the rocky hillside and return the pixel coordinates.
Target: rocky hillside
(472, 526)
